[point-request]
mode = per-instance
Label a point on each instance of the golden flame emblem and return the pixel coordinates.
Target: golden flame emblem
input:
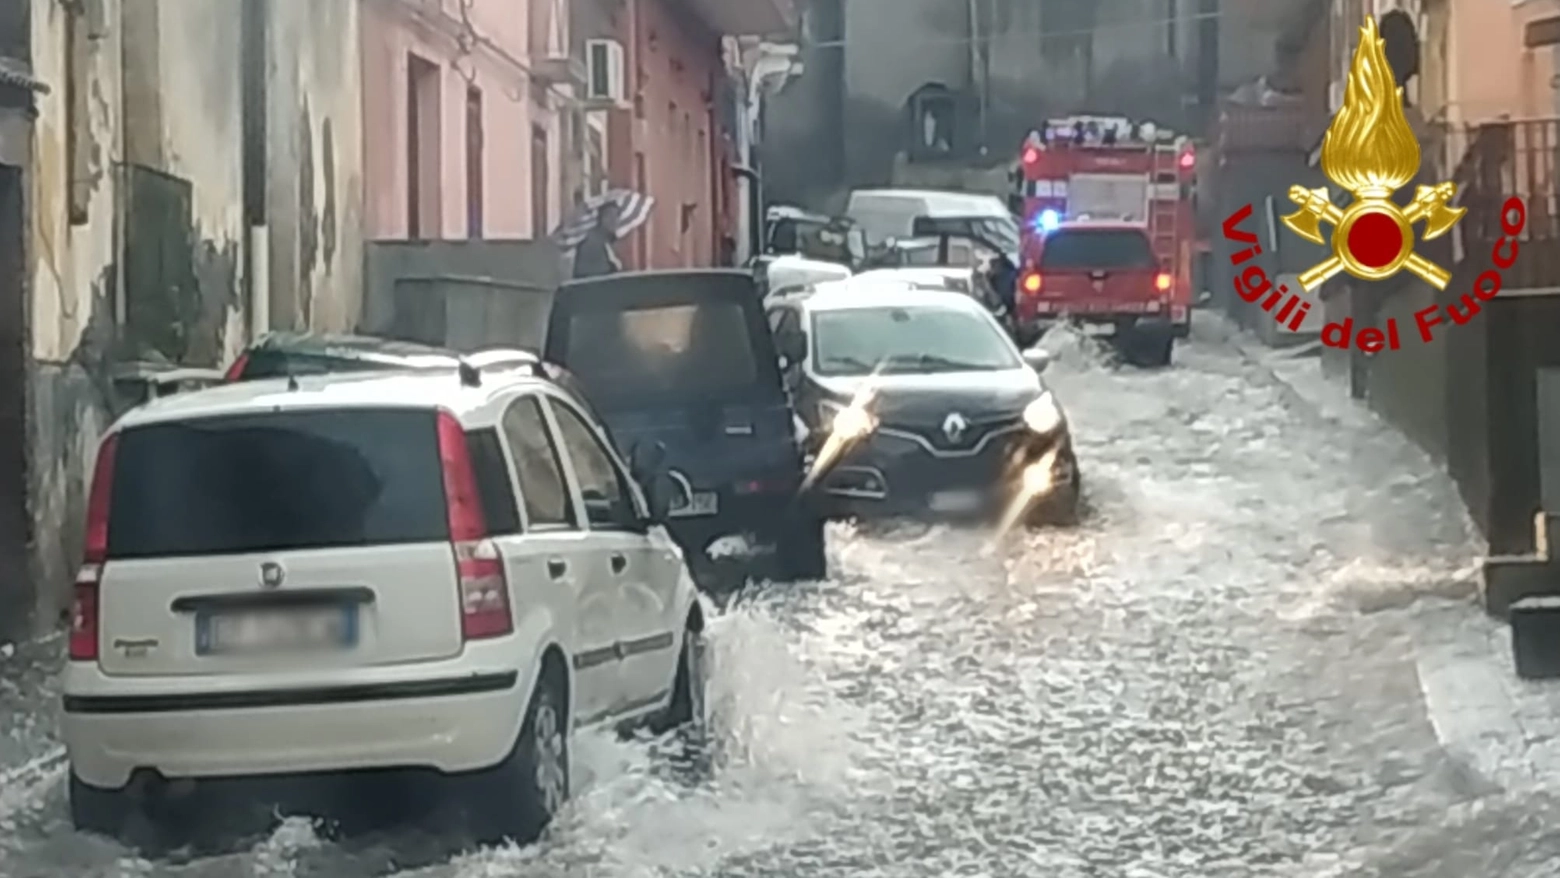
(1370, 151)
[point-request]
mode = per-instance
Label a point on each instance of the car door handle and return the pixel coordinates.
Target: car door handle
(619, 563)
(557, 569)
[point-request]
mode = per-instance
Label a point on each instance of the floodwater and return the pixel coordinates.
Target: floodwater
(1222, 672)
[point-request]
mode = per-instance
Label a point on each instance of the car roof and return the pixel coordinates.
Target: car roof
(1101, 225)
(425, 390)
(858, 293)
(942, 203)
(330, 343)
(917, 273)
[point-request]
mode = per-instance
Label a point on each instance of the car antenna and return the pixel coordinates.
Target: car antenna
(469, 375)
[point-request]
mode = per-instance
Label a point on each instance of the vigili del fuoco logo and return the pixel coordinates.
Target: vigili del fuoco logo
(1370, 152)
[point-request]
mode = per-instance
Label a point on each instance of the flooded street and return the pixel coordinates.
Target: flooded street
(1224, 671)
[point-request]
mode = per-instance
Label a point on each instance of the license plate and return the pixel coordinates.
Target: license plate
(273, 631)
(700, 503)
(955, 501)
(1097, 329)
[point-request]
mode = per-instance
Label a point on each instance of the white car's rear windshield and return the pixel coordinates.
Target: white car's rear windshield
(1097, 249)
(272, 481)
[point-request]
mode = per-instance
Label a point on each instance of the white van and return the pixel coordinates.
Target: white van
(891, 213)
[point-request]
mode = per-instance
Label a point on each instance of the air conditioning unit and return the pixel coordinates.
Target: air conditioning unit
(605, 78)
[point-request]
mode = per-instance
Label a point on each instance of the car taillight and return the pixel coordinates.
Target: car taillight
(483, 590)
(1032, 284)
(236, 371)
(84, 599)
(1162, 282)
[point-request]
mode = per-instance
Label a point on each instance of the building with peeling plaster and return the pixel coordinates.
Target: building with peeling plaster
(188, 176)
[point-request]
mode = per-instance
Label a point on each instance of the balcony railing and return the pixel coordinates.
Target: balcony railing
(1494, 161)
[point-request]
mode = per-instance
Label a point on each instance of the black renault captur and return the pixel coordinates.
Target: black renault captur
(684, 358)
(918, 404)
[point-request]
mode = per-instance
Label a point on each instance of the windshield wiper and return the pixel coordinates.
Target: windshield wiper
(931, 361)
(849, 363)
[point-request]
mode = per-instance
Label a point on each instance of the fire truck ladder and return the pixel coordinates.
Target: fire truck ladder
(1164, 214)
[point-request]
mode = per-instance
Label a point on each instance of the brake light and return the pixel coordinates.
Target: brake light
(1031, 156)
(482, 587)
(236, 371)
(1032, 284)
(84, 622)
(1188, 160)
(1162, 282)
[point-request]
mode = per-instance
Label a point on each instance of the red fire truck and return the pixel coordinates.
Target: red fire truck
(1106, 171)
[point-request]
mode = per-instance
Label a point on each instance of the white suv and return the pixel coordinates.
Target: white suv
(445, 571)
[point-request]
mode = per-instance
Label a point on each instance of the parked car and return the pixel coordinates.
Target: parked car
(684, 358)
(322, 578)
(291, 354)
(785, 273)
(1104, 276)
(957, 413)
(972, 282)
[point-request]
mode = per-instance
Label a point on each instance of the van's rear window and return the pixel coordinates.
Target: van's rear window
(1097, 249)
(681, 349)
(272, 481)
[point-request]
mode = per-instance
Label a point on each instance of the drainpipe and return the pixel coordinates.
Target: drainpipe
(765, 69)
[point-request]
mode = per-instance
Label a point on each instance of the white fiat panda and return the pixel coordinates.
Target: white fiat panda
(444, 571)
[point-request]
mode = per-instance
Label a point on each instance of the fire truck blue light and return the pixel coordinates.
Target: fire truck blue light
(1048, 220)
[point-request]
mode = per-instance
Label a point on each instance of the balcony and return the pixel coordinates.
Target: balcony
(740, 18)
(1499, 160)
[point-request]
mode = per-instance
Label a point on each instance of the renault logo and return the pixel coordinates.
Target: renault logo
(954, 426)
(272, 575)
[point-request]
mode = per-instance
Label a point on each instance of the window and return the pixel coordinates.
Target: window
(542, 488)
(423, 149)
(1080, 249)
(539, 182)
(684, 350)
(608, 500)
(273, 481)
(474, 177)
(78, 132)
(498, 493)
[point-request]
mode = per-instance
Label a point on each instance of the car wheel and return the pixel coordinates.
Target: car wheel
(692, 756)
(1063, 507)
(522, 794)
(801, 553)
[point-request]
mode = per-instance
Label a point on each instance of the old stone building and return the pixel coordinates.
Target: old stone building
(182, 176)
(988, 71)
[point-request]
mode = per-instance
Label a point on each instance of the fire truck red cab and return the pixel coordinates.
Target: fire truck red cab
(1108, 232)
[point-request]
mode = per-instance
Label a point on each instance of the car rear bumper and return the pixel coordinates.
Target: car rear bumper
(449, 724)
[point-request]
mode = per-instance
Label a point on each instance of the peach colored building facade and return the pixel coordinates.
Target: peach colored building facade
(461, 140)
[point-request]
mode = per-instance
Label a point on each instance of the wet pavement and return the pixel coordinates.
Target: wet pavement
(1259, 655)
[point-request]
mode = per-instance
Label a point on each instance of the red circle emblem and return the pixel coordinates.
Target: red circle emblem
(1375, 240)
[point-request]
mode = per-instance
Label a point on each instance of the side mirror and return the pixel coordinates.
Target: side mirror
(1204, 297)
(1037, 359)
(647, 465)
(792, 347)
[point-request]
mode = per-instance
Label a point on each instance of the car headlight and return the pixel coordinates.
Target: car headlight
(847, 421)
(1043, 415)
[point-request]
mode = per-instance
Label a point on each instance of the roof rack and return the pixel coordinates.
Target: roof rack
(470, 376)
